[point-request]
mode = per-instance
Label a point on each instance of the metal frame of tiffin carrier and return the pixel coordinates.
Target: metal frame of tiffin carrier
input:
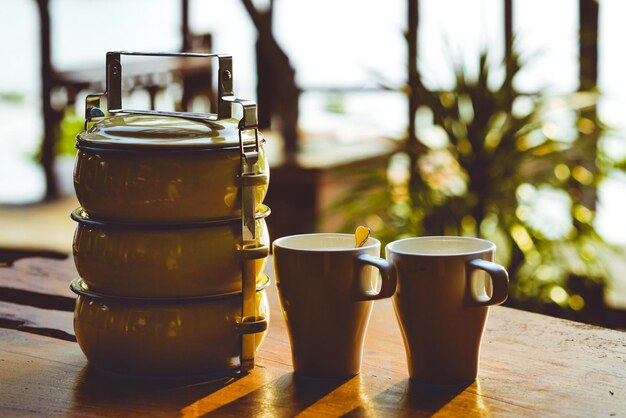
(250, 249)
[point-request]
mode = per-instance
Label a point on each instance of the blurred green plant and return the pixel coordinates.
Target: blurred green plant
(520, 169)
(11, 97)
(70, 125)
(335, 103)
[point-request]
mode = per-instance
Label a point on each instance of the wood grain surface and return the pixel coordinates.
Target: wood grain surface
(531, 365)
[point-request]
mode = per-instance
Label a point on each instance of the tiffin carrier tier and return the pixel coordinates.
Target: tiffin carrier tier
(171, 240)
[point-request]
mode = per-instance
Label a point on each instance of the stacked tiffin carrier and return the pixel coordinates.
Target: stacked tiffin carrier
(171, 240)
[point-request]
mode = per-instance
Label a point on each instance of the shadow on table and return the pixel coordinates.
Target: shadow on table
(287, 395)
(407, 397)
(119, 394)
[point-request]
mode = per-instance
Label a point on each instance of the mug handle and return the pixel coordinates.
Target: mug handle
(499, 279)
(387, 272)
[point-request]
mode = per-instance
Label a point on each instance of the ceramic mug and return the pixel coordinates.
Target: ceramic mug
(326, 287)
(445, 288)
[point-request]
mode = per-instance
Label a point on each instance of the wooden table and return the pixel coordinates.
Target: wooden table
(532, 365)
